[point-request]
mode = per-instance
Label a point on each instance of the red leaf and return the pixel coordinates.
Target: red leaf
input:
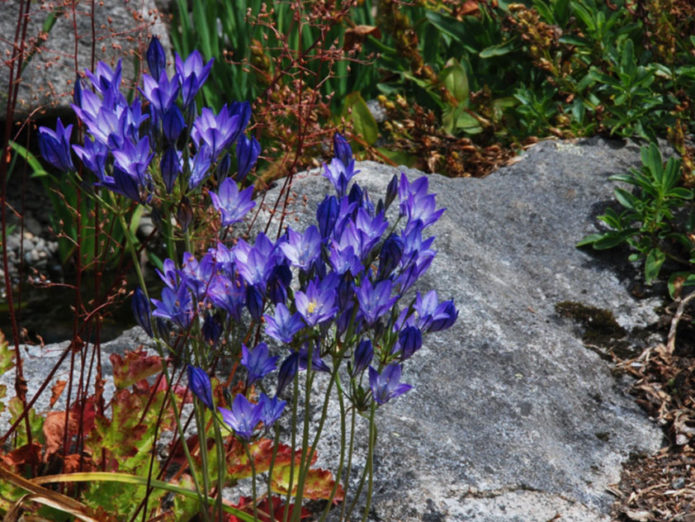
(27, 454)
(54, 425)
(135, 367)
(262, 452)
(246, 504)
(56, 390)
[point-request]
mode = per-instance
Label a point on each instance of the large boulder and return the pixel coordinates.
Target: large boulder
(121, 30)
(511, 416)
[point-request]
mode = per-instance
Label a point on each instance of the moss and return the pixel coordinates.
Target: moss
(602, 333)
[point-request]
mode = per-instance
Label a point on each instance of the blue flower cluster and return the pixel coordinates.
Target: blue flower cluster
(158, 141)
(329, 293)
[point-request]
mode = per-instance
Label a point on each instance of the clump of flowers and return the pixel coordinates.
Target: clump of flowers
(329, 300)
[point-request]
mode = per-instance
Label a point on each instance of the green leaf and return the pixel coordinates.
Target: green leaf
(626, 199)
(364, 123)
(652, 265)
(588, 240)
(446, 24)
(455, 80)
(613, 239)
(677, 280)
(499, 49)
(36, 167)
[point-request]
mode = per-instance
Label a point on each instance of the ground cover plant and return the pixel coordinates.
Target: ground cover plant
(341, 317)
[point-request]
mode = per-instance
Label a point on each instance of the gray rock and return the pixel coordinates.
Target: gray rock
(122, 30)
(511, 417)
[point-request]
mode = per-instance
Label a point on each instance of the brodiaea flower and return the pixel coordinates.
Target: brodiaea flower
(55, 146)
(317, 304)
(283, 325)
(375, 300)
(302, 249)
(232, 204)
(258, 362)
(243, 417)
(386, 386)
(199, 383)
(271, 409)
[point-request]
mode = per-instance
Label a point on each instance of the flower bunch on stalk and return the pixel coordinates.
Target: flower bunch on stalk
(328, 300)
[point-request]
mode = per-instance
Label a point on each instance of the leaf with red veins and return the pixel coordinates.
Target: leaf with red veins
(318, 483)
(135, 367)
(238, 466)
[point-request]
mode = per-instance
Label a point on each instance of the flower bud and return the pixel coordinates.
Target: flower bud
(326, 215)
(172, 124)
(247, 151)
(199, 383)
(170, 168)
(364, 353)
(141, 310)
(156, 57)
(341, 149)
(409, 341)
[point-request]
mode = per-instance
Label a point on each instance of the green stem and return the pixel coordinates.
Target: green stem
(370, 462)
(351, 449)
(339, 472)
(253, 480)
(288, 496)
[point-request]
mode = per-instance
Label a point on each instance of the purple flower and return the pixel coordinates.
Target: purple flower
(170, 167)
(217, 132)
(317, 304)
(55, 146)
(258, 362)
(433, 315)
(212, 329)
(390, 256)
(156, 57)
(288, 369)
(339, 174)
(409, 341)
(141, 310)
(375, 300)
(161, 92)
(172, 124)
(386, 386)
(243, 417)
(176, 305)
(170, 275)
(247, 151)
(254, 302)
(197, 275)
(199, 383)
(416, 203)
(228, 294)
(302, 249)
(106, 80)
(271, 409)
(192, 74)
(94, 155)
(200, 166)
(326, 215)
(130, 168)
(256, 263)
(364, 353)
(341, 149)
(232, 204)
(283, 326)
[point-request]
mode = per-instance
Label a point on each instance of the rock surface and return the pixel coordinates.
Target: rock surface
(511, 416)
(122, 30)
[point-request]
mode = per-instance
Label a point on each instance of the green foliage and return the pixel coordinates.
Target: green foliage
(649, 222)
